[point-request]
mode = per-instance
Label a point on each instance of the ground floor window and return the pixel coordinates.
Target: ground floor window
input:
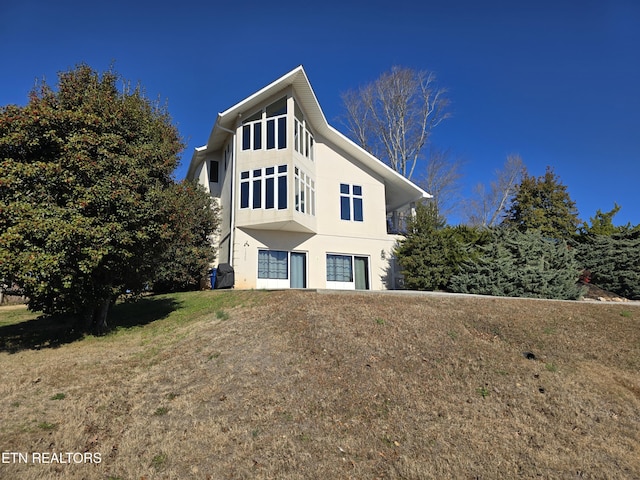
(347, 272)
(273, 264)
(282, 269)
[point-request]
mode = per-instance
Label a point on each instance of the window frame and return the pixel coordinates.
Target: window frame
(351, 203)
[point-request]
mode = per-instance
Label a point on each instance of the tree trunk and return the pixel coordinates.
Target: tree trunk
(100, 317)
(94, 318)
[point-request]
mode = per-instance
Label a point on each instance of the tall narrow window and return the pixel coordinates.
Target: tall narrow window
(271, 134)
(282, 187)
(246, 137)
(244, 190)
(357, 203)
(269, 188)
(345, 201)
(257, 136)
(282, 132)
(257, 188)
(214, 169)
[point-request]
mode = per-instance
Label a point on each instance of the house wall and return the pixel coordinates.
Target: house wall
(316, 247)
(334, 169)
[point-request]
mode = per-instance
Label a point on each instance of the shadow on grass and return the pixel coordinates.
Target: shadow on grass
(51, 332)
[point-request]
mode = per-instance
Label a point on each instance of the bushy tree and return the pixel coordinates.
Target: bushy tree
(517, 264)
(613, 261)
(602, 223)
(431, 251)
(187, 259)
(543, 204)
(83, 172)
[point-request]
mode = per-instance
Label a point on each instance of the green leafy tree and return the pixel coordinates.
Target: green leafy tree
(84, 169)
(517, 264)
(543, 204)
(187, 259)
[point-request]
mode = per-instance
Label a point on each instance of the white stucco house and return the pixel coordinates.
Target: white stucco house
(302, 205)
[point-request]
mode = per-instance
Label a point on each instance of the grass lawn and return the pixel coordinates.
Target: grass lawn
(316, 385)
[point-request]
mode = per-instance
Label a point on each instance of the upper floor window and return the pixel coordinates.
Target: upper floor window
(268, 127)
(305, 192)
(264, 188)
(351, 202)
(302, 137)
(214, 171)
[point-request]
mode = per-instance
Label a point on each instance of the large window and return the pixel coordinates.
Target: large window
(273, 264)
(267, 127)
(351, 202)
(339, 268)
(264, 188)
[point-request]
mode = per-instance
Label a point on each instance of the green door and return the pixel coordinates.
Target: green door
(361, 267)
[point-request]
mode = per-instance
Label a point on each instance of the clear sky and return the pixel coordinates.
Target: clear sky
(557, 82)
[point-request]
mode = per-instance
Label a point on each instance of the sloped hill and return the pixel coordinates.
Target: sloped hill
(308, 385)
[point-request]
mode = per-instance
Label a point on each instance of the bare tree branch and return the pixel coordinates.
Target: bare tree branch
(393, 116)
(488, 207)
(442, 179)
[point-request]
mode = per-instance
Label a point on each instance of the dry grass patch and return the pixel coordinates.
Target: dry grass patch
(326, 385)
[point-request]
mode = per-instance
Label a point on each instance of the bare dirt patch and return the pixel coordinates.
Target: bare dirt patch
(317, 385)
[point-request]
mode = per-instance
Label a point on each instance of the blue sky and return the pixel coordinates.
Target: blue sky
(557, 82)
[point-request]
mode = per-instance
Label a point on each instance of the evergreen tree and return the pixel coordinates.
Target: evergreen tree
(543, 204)
(602, 223)
(431, 252)
(519, 264)
(613, 261)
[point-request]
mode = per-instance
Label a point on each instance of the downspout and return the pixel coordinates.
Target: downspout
(232, 220)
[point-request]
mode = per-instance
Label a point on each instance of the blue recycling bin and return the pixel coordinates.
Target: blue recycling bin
(212, 276)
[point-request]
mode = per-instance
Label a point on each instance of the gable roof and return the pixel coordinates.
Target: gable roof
(399, 190)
